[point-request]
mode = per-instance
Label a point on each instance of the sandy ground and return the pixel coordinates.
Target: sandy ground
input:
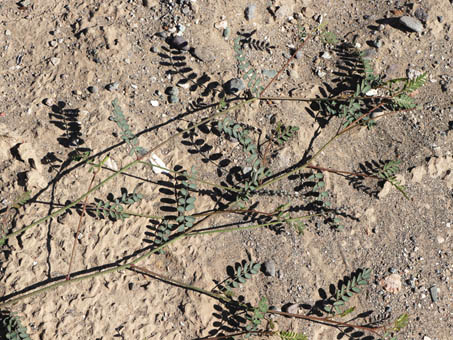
(58, 59)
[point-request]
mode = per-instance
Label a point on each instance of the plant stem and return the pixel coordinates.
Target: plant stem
(131, 164)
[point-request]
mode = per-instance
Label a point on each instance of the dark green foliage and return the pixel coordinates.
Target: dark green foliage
(115, 209)
(257, 317)
(292, 336)
(259, 171)
(283, 133)
(388, 174)
(241, 274)
(250, 73)
(126, 134)
(14, 329)
(348, 289)
(185, 203)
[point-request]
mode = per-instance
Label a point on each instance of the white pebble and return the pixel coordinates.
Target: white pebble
(154, 103)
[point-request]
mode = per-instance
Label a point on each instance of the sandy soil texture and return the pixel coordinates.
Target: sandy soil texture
(62, 63)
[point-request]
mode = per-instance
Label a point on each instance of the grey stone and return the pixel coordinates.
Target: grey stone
(173, 91)
(113, 86)
(412, 23)
(326, 55)
(93, 89)
(269, 268)
(226, 33)
(154, 49)
(434, 292)
(299, 54)
(55, 61)
(250, 12)
(292, 308)
(234, 85)
(421, 15)
(173, 99)
(377, 42)
(179, 43)
(269, 73)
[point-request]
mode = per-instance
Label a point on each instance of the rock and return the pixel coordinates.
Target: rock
(113, 86)
(292, 308)
(55, 61)
(179, 43)
(412, 23)
(321, 73)
(48, 102)
(421, 15)
(299, 54)
(391, 283)
(326, 55)
(154, 49)
(93, 89)
(173, 99)
(269, 268)
(146, 3)
(226, 33)
(434, 292)
(250, 12)
(154, 103)
(377, 42)
(269, 73)
(173, 91)
(234, 85)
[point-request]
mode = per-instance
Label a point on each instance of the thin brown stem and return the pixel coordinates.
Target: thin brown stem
(341, 172)
(284, 66)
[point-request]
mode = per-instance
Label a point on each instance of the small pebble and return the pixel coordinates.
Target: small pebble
(321, 73)
(226, 33)
(113, 86)
(299, 54)
(7, 32)
(269, 268)
(154, 49)
(326, 55)
(173, 99)
(93, 89)
(434, 292)
(48, 102)
(377, 43)
(250, 12)
(421, 15)
(412, 23)
(293, 308)
(440, 18)
(53, 43)
(154, 103)
(179, 43)
(269, 73)
(173, 91)
(55, 61)
(234, 85)
(146, 3)
(180, 28)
